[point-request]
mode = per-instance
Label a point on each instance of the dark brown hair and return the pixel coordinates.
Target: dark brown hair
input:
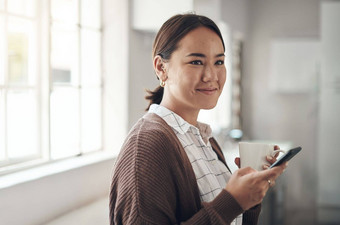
(167, 38)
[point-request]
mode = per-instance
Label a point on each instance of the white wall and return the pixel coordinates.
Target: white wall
(236, 15)
(329, 122)
(115, 71)
(41, 200)
(290, 117)
(141, 73)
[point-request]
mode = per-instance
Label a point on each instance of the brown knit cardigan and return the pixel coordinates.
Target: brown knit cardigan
(154, 183)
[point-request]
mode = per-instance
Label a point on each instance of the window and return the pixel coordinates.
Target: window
(50, 80)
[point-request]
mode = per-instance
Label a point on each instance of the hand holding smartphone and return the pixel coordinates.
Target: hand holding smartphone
(286, 157)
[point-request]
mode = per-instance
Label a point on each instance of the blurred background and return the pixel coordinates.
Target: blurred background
(73, 75)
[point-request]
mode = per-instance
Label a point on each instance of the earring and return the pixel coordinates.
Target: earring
(162, 83)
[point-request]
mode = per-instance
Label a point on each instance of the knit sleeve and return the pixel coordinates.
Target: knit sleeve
(143, 187)
(251, 216)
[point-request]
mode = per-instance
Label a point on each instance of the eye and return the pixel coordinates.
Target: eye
(219, 62)
(196, 62)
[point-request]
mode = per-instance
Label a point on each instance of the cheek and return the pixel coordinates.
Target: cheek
(185, 78)
(222, 78)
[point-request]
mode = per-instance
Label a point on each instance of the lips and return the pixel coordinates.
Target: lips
(207, 91)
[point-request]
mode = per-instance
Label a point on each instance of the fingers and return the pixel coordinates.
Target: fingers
(276, 147)
(238, 162)
(249, 186)
(270, 159)
(271, 183)
(246, 188)
(265, 166)
(270, 173)
(245, 171)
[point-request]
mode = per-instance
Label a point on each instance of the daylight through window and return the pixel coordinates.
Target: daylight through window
(50, 80)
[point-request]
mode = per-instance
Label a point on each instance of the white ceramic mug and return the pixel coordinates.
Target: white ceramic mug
(254, 154)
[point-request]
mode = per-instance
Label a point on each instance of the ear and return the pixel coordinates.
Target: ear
(159, 67)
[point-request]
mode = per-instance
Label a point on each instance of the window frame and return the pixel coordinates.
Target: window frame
(6, 87)
(43, 88)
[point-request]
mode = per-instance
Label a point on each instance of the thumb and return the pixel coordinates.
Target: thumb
(265, 174)
(245, 171)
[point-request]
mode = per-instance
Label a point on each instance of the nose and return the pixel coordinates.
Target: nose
(209, 74)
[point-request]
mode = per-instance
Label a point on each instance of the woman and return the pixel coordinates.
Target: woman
(170, 170)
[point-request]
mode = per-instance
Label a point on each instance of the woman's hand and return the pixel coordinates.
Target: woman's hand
(271, 159)
(249, 186)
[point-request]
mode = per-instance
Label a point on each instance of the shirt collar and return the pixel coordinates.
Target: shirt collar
(178, 123)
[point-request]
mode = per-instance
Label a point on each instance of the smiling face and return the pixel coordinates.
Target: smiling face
(195, 74)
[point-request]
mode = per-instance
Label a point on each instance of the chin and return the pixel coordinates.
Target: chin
(210, 106)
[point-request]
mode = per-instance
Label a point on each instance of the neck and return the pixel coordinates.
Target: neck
(188, 115)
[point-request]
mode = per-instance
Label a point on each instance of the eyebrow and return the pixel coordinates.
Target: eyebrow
(202, 55)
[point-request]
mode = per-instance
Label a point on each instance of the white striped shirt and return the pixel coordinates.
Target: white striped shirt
(211, 174)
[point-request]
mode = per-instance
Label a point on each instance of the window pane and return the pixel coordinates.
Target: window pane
(2, 4)
(2, 49)
(90, 57)
(22, 123)
(64, 54)
(65, 10)
(64, 122)
(21, 51)
(2, 125)
(90, 13)
(22, 7)
(91, 119)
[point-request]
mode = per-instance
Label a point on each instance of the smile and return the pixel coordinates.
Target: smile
(208, 91)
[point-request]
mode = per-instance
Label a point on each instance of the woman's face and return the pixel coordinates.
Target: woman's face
(195, 74)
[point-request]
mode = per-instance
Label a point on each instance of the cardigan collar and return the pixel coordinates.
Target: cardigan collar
(179, 124)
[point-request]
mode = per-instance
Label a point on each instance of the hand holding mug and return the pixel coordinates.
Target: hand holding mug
(257, 155)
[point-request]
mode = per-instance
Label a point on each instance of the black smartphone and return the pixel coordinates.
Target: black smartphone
(287, 156)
